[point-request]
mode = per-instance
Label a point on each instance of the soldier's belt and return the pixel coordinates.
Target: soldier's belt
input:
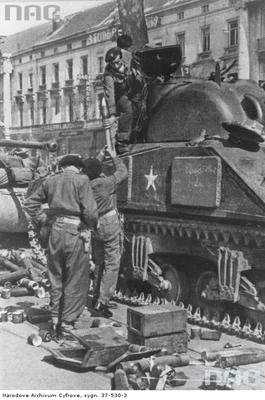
(67, 220)
(109, 214)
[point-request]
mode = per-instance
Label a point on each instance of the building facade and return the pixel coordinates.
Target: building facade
(50, 76)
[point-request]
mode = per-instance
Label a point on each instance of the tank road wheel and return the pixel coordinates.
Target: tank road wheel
(203, 280)
(179, 283)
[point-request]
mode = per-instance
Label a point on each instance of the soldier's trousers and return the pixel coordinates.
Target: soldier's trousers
(68, 270)
(108, 243)
(124, 108)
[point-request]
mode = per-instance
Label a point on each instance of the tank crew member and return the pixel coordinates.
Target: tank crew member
(71, 203)
(137, 85)
(116, 91)
(108, 243)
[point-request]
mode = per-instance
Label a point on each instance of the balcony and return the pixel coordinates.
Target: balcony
(19, 96)
(82, 80)
(55, 85)
(69, 83)
(55, 89)
(30, 96)
(205, 55)
(230, 52)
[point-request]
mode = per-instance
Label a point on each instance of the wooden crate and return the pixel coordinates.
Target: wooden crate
(174, 343)
(159, 320)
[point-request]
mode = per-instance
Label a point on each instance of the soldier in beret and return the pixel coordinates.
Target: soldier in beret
(71, 204)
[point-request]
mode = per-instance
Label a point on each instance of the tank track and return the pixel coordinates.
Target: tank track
(229, 325)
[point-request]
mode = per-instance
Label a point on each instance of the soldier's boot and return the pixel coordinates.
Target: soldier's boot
(102, 310)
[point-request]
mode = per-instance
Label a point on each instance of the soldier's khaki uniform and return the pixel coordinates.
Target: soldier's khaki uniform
(71, 202)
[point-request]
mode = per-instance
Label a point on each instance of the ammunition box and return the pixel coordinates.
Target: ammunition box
(151, 321)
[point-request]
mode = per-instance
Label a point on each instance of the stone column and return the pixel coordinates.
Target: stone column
(7, 70)
(243, 53)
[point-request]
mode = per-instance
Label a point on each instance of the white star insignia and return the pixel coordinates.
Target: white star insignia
(151, 179)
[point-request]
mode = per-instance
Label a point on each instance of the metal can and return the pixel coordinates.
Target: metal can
(45, 335)
(17, 317)
(3, 316)
(195, 333)
(35, 340)
(9, 316)
(6, 293)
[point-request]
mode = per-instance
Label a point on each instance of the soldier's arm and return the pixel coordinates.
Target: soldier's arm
(109, 92)
(87, 202)
(119, 175)
(33, 204)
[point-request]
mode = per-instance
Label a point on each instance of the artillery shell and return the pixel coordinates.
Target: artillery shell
(6, 293)
(240, 359)
(29, 284)
(20, 291)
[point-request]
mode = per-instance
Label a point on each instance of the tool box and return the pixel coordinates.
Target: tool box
(163, 326)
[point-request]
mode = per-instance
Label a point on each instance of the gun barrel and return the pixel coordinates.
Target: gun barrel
(49, 146)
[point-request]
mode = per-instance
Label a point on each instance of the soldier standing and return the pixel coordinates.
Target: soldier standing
(109, 235)
(71, 203)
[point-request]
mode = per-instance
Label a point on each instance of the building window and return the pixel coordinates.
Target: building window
(42, 53)
(233, 33)
(84, 102)
(43, 75)
(69, 46)
(55, 50)
(232, 2)
(44, 113)
(20, 81)
(205, 8)
(100, 64)
(83, 43)
(31, 113)
(30, 80)
(69, 64)
(20, 60)
(20, 109)
(180, 37)
(181, 15)
(31, 57)
(57, 105)
(84, 65)
(206, 39)
(71, 109)
(56, 72)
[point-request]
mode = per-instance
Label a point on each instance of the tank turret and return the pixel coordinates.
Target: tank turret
(17, 170)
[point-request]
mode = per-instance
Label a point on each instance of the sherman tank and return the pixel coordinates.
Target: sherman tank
(17, 170)
(194, 202)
